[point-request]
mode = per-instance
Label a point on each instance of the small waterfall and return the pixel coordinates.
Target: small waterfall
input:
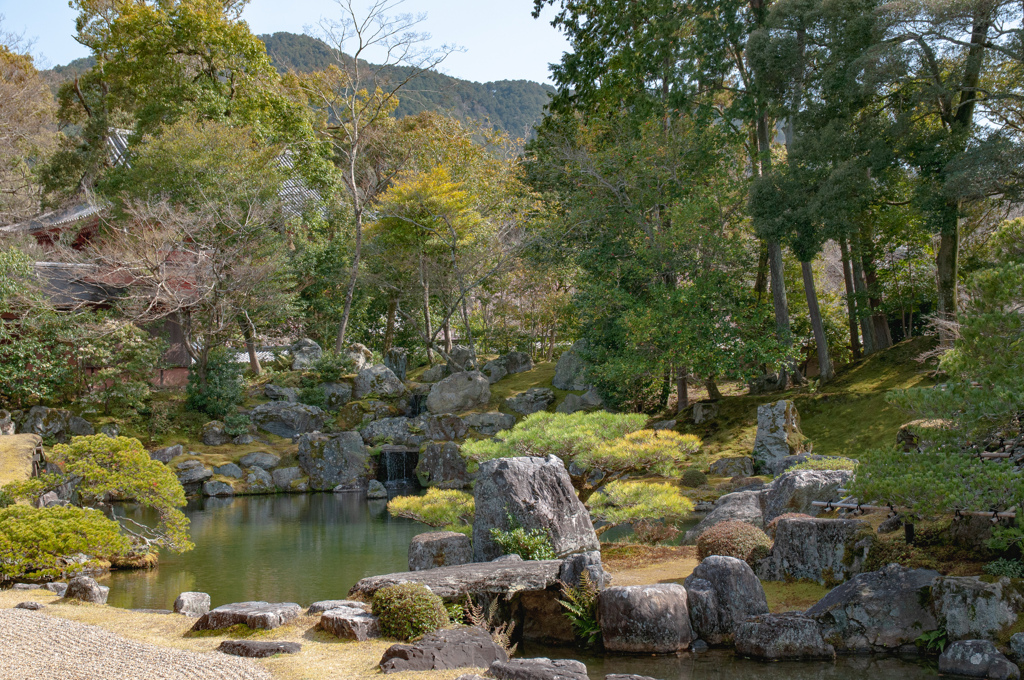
(397, 465)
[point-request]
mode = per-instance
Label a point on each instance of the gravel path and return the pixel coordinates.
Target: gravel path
(34, 646)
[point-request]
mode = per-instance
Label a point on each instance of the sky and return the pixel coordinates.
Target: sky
(502, 41)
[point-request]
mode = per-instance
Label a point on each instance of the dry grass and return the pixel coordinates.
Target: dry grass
(322, 655)
(634, 565)
(795, 596)
(16, 453)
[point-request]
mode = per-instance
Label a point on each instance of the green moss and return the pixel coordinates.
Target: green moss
(511, 385)
(794, 595)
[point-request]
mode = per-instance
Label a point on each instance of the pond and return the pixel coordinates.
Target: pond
(283, 548)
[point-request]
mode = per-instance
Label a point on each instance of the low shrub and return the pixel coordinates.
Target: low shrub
(407, 611)
(534, 544)
(1005, 567)
(774, 524)
(692, 478)
(237, 424)
(734, 539)
(223, 389)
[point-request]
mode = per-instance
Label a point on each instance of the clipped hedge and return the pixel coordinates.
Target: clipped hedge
(407, 611)
(734, 539)
(692, 478)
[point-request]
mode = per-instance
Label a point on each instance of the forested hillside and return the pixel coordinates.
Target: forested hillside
(514, 106)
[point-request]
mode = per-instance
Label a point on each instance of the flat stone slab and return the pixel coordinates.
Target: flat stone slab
(540, 668)
(257, 615)
(327, 605)
(32, 606)
(467, 647)
(349, 623)
(475, 578)
(258, 649)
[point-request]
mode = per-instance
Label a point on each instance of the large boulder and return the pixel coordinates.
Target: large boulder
(466, 647)
(740, 506)
(463, 358)
(267, 461)
(377, 381)
(259, 480)
(85, 589)
(443, 427)
(278, 393)
(459, 392)
(574, 403)
(54, 423)
(167, 454)
(517, 362)
(537, 493)
(335, 460)
(229, 470)
(434, 374)
(571, 370)
(214, 433)
(286, 479)
(287, 420)
(878, 611)
(540, 668)
(360, 355)
(778, 435)
(494, 370)
(476, 578)
(645, 619)
(192, 474)
(214, 488)
(722, 592)
(977, 659)
(736, 466)
(397, 359)
(439, 549)
(968, 607)
(531, 401)
(796, 491)
(441, 465)
(305, 353)
(260, 615)
(192, 604)
(336, 394)
(350, 623)
(827, 551)
(705, 411)
(574, 566)
(490, 424)
(399, 431)
(782, 637)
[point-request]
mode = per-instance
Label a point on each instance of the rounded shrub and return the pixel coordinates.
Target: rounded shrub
(692, 478)
(774, 524)
(407, 611)
(734, 539)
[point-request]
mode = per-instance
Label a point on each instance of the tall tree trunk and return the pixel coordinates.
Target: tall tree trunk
(447, 331)
(339, 343)
(761, 282)
(946, 261)
(879, 321)
(250, 346)
(389, 330)
(851, 299)
(824, 360)
(862, 291)
(426, 311)
(682, 390)
(712, 387)
(551, 345)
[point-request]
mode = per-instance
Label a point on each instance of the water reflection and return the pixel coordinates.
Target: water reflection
(290, 548)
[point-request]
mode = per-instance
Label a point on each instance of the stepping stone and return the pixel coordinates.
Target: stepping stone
(348, 623)
(258, 649)
(256, 615)
(328, 605)
(33, 606)
(27, 586)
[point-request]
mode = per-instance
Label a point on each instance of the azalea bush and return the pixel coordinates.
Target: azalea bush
(734, 539)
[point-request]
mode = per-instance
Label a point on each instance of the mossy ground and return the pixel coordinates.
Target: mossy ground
(795, 596)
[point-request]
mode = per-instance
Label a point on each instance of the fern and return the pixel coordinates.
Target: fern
(580, 605)
(501, 633)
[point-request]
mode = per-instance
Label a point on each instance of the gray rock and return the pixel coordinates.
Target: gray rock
(434, 374)
(6, 423)
(305, 353)
(287, 420)
(259, 479)
(397, 359)
(538, 493)
(376, 490)
(796, 490)
(722, 592)
(742, 506)
(443, 427)
(704, 411)
(246, 439)
(737, 466)
(621, 676)
(258, 649)
(229, 470)
(31, 606)
(284, 478)
(463, 358)
(782, 637)
(439, 549)
(778, 434)
(58, 587)
(336, 394)
(571, 370)
(971, 608)
(54, 423)
(194, 475)
(645, 619)
(826, 551)
(192, 604)
(1017, 647)
(377, 381)
(332, 461)
(289, 394)
(267, 461)
(327, 605)
(475, 578)
(540, 668)
(494, 370)
(508, 558)
(167, 454)
(459, 392)
(877, 611)
(467, 647)
(258, 615)
(698, 646)
(531, 401)
(395, 431)
(664, 425)
(573, 403)
(213, 488)
(771, 382)
(213, 434)
(86, 589)
(110, 429)
(573, 567)
(977, 659)
(490, 423)
(360, 355)
(350, 623)
(441, 465)
(49, 499)
(27, 586)
(517, 362)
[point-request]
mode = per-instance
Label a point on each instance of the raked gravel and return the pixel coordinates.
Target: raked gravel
(34, 646)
